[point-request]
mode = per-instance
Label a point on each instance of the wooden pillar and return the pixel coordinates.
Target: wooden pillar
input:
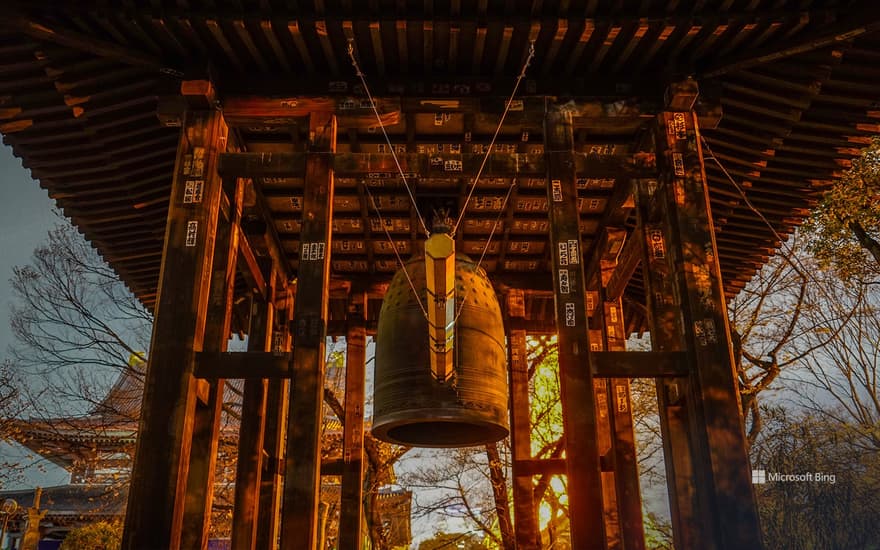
(575, 374)
(206, 426)
(615, 406)
(159, 477)
(623, 448)
(525, 517)
(248, 468)
(664, 312)
(352, 498)
(271, 480)
(613, 538)
(299, 524)
(716, 426)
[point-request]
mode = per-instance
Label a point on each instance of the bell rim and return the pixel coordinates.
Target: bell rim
(494, 431)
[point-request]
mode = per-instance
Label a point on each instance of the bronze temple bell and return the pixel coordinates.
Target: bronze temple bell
(440, 381)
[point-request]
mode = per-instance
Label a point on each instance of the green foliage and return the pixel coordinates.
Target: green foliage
(545, 406)
(853, 202)
(95, 536)
(658, 532)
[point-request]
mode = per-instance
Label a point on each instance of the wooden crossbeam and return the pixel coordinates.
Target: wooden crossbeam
(398, 101)
(553, 466)
(529, 467)
(627, 262)
(606, 364)
(271, 242)
(356, 111)
(382, 165)
(638, 364)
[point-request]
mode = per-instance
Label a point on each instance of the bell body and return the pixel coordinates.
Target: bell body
(411, 406)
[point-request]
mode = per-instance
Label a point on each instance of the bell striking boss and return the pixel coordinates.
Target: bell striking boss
(435, 384)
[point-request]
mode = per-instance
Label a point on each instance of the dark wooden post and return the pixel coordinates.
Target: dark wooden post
(575, 373)
(608, 317)
(299, 524)
(248, 468)
(352, 498)
(159, 477)
(605, 435)
(664, 312)
(271, 480)
(719, 442)
(623, 448)
(206, 426)
(525, 517)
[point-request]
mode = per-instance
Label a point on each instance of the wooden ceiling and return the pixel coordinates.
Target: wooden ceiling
(81, 83)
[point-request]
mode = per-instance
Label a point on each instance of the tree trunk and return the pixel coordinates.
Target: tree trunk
(866, 241)
(499, 492)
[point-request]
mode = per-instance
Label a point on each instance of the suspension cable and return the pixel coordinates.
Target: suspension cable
(522, 75)
(412, 285)
(363, 79)
(486, 247)
(789, 255)
(792, 261)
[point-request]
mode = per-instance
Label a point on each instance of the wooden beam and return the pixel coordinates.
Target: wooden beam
(626, 265)
(637, 364)
(525, 517)
(154, 515)
(268, 241)
(243, 365)
(529, 467)
(206, 424)
(42, 30)
(861, 18)
(576, 379)
(299, 524)
(251, 269)
(249, 467)
(605, 364)
(352, 491)
(271, 241)
(382, 165)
